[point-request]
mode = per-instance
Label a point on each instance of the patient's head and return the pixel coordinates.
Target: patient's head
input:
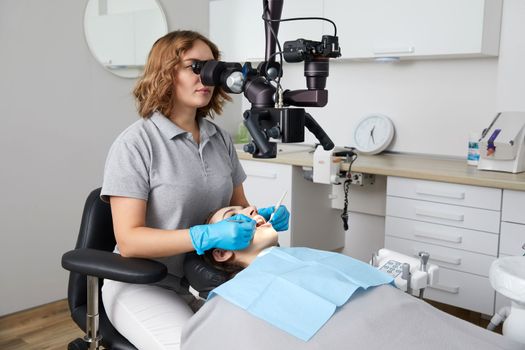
(233, 261)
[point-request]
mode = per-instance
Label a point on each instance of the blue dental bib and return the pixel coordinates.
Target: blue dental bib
(299, 289)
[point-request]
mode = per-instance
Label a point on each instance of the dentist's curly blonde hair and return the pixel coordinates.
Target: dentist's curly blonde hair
(154, 89)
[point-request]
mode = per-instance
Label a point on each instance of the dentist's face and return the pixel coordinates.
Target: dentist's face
(189, 91)
(265, 236)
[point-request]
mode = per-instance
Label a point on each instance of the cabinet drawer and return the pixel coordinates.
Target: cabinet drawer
(463, 290)
(446, 214)
(512, 241)
(266, 182)
(441, 192)
(513, 204)
(444, 257)
(453, 237)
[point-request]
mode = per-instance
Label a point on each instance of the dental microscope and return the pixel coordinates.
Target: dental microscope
(271, 114)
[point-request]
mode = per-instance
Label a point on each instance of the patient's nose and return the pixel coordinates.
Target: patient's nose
(250, 211)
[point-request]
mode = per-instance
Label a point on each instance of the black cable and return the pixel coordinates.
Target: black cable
(275, 54)
(346, 187)
(280, 70)
(306, 19)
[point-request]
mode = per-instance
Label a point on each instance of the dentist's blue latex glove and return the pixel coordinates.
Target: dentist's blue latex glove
(280, 219)
(233, 233)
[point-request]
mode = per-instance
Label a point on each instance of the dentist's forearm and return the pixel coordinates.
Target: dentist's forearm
(146, 242)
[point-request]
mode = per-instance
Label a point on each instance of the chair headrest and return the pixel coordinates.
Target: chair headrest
(202, 276)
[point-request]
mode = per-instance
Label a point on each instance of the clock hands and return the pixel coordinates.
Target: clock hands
(373, 134)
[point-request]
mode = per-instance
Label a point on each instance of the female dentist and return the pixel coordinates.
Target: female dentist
(163, 175)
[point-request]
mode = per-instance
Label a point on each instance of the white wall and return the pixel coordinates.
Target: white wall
(60, 111)
(434, 104)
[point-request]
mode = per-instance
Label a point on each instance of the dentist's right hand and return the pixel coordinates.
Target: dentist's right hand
(233, 233)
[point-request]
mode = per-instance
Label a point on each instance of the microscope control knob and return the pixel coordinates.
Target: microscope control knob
(274, 132)
(272, 73)
(249, 148)
(235, 82)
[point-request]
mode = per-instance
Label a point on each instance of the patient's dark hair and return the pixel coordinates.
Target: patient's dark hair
(229, 266)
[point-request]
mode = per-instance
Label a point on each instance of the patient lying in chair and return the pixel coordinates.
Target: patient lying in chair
(382, 317)
(294, 289)
(231, 261)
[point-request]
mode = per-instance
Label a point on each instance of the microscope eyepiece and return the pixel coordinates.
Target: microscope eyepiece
(227, 75)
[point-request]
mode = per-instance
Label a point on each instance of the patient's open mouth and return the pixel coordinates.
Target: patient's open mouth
(259, 221)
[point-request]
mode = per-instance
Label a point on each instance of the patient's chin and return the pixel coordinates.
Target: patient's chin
(266, 236)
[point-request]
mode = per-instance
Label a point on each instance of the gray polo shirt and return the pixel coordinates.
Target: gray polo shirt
(181, 181)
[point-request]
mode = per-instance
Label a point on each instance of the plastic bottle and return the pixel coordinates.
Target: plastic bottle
(473, 149)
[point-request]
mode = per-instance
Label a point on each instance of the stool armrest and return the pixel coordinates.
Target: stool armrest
(104, 264)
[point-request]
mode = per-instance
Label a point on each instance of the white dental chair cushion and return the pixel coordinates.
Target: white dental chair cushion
(507, 277)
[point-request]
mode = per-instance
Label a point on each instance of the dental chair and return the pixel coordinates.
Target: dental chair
(93, 259)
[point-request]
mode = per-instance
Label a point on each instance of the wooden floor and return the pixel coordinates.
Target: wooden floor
(49, 327)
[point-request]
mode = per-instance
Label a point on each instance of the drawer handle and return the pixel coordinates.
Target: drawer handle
(443, 259)
(437, 236)
(437, 193)
(264, 176)
(448, 289)
(440, 215)
(393, 50)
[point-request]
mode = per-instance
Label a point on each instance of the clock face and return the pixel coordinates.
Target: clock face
(373, 134)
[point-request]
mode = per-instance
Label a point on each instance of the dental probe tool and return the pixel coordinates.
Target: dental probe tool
(277, 206)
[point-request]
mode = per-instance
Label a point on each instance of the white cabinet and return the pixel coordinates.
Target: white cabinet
(416, 28)
(237, 28)
(512, 241)
(312, 222)
(366, 28)
(513, 205)
(458, 225)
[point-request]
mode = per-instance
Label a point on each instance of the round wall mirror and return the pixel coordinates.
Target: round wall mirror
(120, 33)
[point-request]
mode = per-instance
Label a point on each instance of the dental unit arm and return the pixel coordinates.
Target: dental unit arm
(270, 115)
(410, 274)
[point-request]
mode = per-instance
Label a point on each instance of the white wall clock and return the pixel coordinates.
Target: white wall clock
(373, 134)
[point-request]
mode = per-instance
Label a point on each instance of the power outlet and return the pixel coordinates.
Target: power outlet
(361, 179)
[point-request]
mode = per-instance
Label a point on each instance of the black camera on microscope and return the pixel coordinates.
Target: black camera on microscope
(315, 55)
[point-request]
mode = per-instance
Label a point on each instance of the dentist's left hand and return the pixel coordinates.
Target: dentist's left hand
(234, 233)
(280, 218)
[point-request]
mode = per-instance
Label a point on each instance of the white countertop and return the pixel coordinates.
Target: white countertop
(403, 165)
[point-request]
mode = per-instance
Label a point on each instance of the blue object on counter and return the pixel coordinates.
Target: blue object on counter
(299, 289)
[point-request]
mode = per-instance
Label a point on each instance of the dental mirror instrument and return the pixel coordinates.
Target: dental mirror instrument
(277, 206)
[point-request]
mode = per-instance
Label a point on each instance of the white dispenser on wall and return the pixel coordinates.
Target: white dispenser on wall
(502, 144)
